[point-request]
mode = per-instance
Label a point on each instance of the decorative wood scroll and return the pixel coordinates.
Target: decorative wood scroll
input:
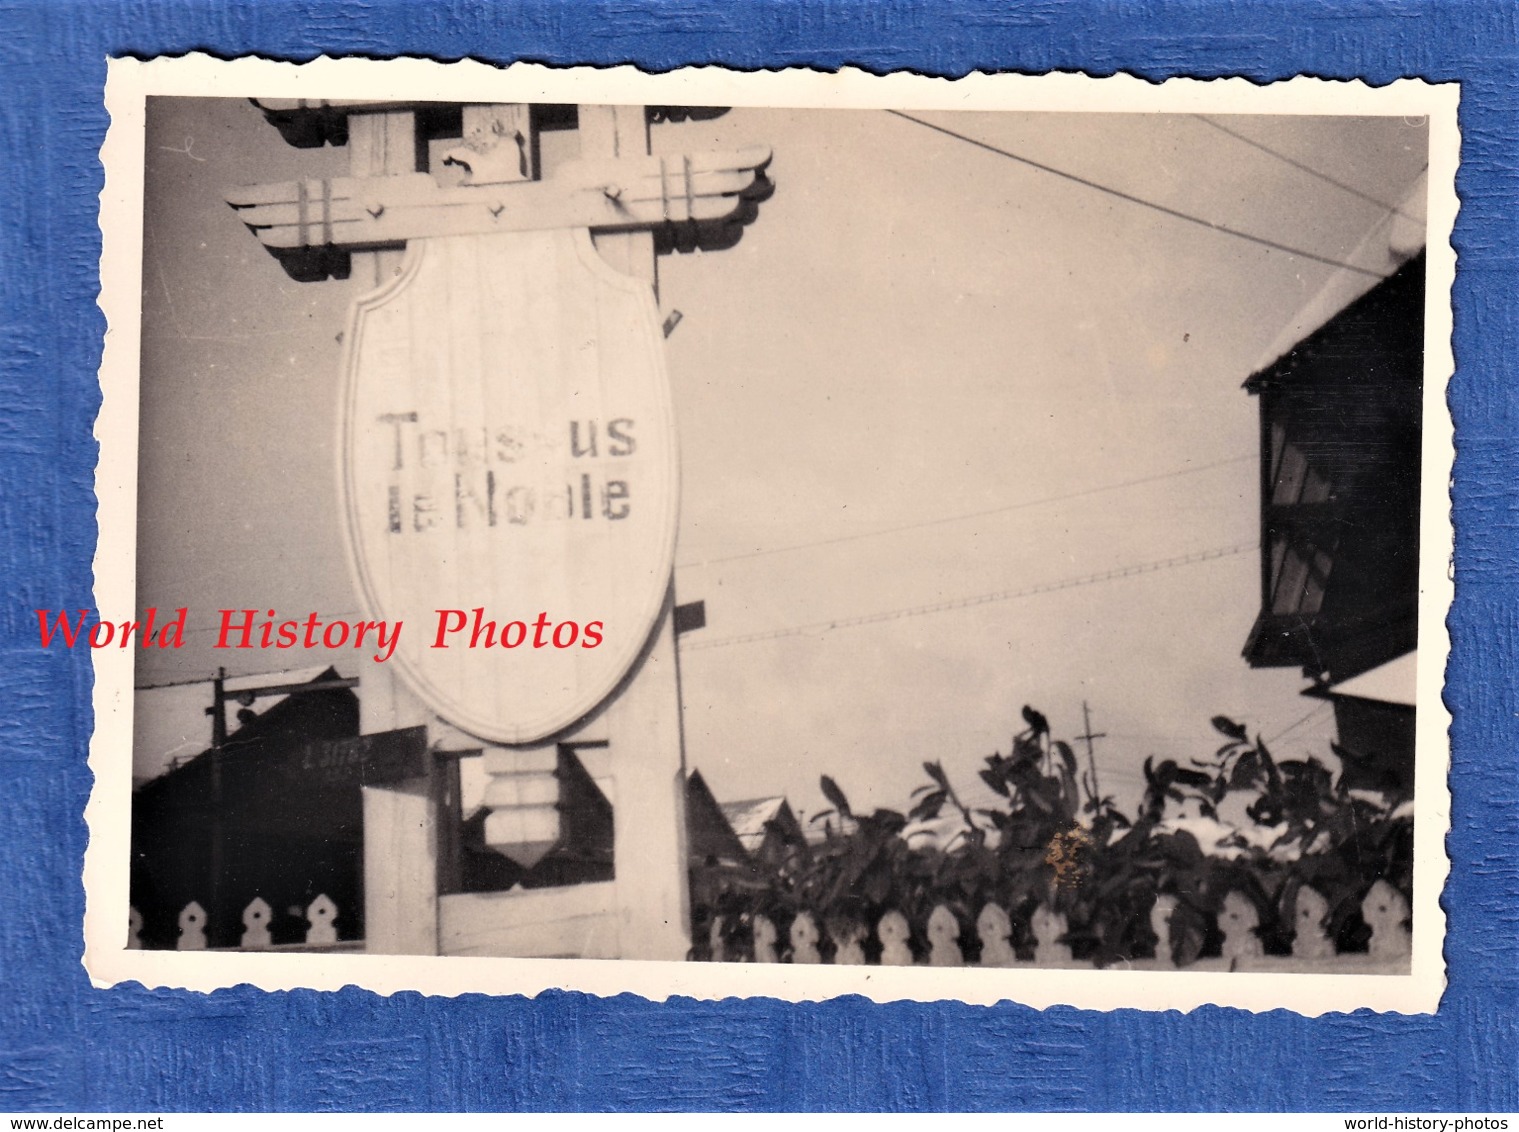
(621, 195)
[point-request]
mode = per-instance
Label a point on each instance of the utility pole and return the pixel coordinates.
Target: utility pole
(1087, 736)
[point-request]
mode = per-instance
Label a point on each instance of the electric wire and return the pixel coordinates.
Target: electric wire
(1310, 170)
(1177, 214)
(941, 520)
(1291, 727)
(968, 602)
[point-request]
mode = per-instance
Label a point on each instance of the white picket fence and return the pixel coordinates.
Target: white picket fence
(321, 929)
(1384, 909)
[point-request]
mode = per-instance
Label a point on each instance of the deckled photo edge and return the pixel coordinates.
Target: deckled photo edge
(131, 82)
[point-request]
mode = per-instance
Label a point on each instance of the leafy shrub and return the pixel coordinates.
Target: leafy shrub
(1054, 839)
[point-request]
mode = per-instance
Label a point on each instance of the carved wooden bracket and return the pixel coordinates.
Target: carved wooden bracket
(710, 192)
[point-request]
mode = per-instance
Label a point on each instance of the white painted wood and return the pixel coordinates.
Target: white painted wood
(351, 212)
(382, 143)
(649, 812)
(522, 795)
(995, 929)
(1385, 911)
(716, 944)
(510, 449)
(401, 869)
(1238, 920)
(804, 937)
(321, 920)
(621, 133)
(1310, 916)
(497, 145)
(192, 928)
(848, 942)
(542, 758)
(764, 940)
(1049, 927)
(944, 939)
(256, 925)
(541, 923)
(523, 833)
(894, 932)
(648, 745)
(1160, 924)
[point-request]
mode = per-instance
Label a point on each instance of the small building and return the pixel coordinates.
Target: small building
(766, 828)
(710, 839)
(274, 812)
(1340, 427)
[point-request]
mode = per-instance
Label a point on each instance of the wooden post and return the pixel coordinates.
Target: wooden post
(401, 869)
(380, 144)
(647, 745)
(400, 821)
(626, 195)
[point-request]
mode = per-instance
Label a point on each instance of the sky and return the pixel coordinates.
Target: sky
(929, 379)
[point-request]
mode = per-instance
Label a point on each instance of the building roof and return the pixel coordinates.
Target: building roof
(749, 818)
(171, 723)
(1392, 240)
(1395, 682)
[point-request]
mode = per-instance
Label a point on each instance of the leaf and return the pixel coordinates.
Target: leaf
(928, 806)
(832, 792)
(936, 772)
(1226, 726)
(1067, 756)
(1247, 769)
(996, 782)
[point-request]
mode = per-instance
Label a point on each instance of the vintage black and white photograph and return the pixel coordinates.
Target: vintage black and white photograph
(973, 547)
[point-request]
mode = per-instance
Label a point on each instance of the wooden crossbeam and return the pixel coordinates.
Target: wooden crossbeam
(619, 195)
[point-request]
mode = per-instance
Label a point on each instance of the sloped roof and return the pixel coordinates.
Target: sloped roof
(1392, 683)
(748, 818)
(1393, 239)
(171, 722)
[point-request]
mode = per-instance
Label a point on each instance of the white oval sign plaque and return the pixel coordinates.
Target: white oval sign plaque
(509, 475)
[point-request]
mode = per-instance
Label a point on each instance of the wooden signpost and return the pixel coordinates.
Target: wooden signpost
(509, 484)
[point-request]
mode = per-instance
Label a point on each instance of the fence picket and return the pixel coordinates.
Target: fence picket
(1048, 927)
(1160, 924)
(1384, 909)
(764, 941)
(804, 939)
(322, 915)
(1238, 921)
(192, 928)
(848, 939)
(1310, 914)
(995, 929)
(944, 939)
(894, 932)
(256, 925)
(715, 942)
(1386, 912)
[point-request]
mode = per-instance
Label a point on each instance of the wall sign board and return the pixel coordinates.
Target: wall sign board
(509, 476)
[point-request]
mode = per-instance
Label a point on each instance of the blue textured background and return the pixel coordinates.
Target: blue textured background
(64, 1045)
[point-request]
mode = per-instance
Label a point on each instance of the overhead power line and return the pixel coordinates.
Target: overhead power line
(941, 520)
(1310, 170)
(1291, 727)
(979, 599)
(1177, 214)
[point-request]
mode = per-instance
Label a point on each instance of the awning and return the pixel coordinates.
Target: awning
(1395, 682)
